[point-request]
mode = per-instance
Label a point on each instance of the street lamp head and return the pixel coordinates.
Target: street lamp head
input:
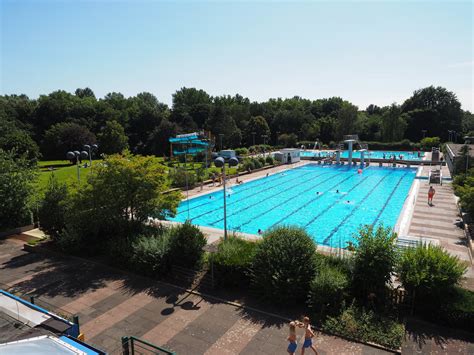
(233, 161)
(84, 154)
(95, 146)
(87, 146)
(76, 153)
(219, 162)
(70, 155)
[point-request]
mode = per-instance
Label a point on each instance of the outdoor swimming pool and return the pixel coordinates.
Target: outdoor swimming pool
(330, 217)
(374, 154)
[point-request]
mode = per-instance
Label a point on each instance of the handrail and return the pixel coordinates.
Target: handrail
(130, 350)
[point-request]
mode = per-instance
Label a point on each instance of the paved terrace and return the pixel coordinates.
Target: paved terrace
(112, 304)
(441, 221)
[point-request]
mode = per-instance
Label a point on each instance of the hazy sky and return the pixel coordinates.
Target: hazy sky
(366, 52)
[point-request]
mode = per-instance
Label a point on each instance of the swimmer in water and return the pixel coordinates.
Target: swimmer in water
(337, 191)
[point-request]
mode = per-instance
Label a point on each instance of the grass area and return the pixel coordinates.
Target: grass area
(62, 169)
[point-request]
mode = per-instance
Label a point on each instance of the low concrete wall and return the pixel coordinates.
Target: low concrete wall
(18, 230)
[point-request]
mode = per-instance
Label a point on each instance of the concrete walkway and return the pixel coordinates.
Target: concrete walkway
(440, 221)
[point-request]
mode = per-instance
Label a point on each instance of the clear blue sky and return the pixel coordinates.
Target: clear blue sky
(366, 52)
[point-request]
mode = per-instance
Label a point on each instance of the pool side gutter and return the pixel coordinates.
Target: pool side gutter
(402, 226)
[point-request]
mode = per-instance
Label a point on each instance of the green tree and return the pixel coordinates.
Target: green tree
(259, 126)
(393, 124)
(118, 198)
(86, 92)
(375, 258)
(429, 271)
(52, 209)
(288, 140)
(221, 122)
(434, 109)
(16, 190)
(64, 137)
(346, 120)
(112, 138)
(18, 141)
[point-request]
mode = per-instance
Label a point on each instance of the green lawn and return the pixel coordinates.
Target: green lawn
(62, 169)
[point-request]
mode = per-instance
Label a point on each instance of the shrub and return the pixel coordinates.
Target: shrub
(186, 246)
(429, 270)
(242, 151)
(269, 160)
(405, 144)
(262, 161)
(284, 265)
(232, 260)
(178, 178)
(327, 290)
(360, 324)
(456, 309)
(52, 210)
(151, 255)
(374, 260)
(430, 142)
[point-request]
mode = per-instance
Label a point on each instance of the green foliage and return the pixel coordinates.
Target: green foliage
(241, 151)
(288, 140)
(232, 261)
(18, 141)
(180, 178)
(16, 190)
(363, 325)
(52, 209)
(112, 138)
(150, 255)
(269, 160)
(375, 257)
(257, 127)
(429, 270)
(186, 246)
(284, 265)
(328, 288)
(64, 137)
(429, 142)
(394, 124)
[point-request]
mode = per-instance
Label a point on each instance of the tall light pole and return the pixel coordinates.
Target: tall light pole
(71, 155)
(264, 136)
(424, 132)
(90, 148)
(220, 139)
(220, 163)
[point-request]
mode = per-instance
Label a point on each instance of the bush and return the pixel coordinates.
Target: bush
(232, 261)
(262, 161)
(186, 246)
(430, 142)
(429, 270)
(52, 210)
(456, 310)
(269, 160)
(360, 324)
(374, 260)
(284, 265)
(328, 288)
(178, 178)
(241, 151)
(151, 255)
(405, 144)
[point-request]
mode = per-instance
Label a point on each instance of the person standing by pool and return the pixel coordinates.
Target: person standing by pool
(308, 336)
(431, 193)
(292, 339)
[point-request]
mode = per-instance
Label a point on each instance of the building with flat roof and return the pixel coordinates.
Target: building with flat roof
(455, 158)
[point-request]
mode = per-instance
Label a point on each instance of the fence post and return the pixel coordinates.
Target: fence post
(75, 320)
(125, 349)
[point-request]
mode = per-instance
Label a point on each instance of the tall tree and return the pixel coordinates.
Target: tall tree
(393, 124)
(257, 127)
(112, 138)
(63, 137)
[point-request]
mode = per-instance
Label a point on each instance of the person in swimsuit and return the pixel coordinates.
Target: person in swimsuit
(431, 193)
(308, 336)
(292, 339)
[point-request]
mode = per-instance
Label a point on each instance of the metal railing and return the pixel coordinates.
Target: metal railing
(136, 346)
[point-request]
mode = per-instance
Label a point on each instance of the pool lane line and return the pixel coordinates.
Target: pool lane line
(334, 203)
(388, 199)
(245, 189)
(335, 229)
(311, 201)
(259, 192)
(287, 200)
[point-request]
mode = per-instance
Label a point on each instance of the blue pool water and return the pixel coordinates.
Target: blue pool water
(374, 154)
(330, 217)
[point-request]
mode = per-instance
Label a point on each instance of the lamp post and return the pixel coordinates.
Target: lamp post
(221, 135)
(71, 155)
(264, 136)
(424, 132)
(90, 148)
(220, 163)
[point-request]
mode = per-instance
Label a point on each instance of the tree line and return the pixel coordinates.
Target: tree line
(51, 125)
